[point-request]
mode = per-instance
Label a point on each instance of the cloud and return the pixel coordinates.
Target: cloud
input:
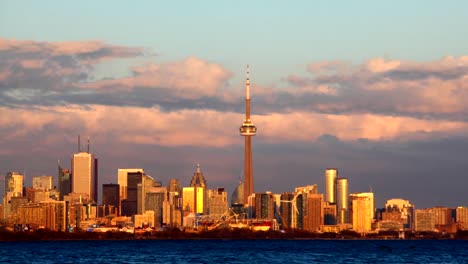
(190, 78)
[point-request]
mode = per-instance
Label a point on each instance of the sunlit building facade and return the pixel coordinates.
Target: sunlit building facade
(342, 202)
(330, 188)
(84, 174)
(44, 182)
(362, 211)
(217, 201)
(462, 217)
(424, 220)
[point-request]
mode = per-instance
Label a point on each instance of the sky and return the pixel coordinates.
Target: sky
(377, 89)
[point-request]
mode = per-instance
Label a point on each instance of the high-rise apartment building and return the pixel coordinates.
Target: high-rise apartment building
(330, 188)
(286, 209)
(363, 211)
(342, 203)
(264, 206)
(314, 212)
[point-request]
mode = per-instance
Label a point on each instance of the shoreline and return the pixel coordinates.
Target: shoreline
(46, 235)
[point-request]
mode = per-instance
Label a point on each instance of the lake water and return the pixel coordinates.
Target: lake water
(236, 251)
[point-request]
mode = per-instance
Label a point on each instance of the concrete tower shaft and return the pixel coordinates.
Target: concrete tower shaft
(248, 130)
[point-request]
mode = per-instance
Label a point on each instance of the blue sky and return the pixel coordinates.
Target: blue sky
(273, 36)
(377, 89)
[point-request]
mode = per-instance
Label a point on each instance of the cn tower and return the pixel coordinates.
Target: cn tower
(247, 130)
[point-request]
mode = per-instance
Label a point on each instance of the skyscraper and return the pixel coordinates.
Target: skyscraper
(122, 180)
(83, 177)
(330, 187)
(84, 173)
(194, 197)
(64, 181)
(314, 212)
(247, 130)
(342, 200)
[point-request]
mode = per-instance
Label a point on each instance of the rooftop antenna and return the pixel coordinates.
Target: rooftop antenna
(79, 144)
(88, 144)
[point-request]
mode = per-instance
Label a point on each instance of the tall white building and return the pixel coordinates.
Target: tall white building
(363, 211)
(84, 174)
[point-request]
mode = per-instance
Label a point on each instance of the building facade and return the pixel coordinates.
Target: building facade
(362, 211)
(84, 174)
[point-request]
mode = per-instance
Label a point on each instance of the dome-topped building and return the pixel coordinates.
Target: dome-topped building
(198, 180)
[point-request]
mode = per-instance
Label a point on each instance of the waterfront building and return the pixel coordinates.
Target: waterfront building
(442, 215)
(314, 212)
(264, 206)
(145, 220)
(248, 130)
(400, 211)
(424, 220)
(286, 209)
(50, 215)
(362, 211)
(462, 217)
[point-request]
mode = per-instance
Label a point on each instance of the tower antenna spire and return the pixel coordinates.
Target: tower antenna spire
(79, 144)
(88, 145)
(247, 84)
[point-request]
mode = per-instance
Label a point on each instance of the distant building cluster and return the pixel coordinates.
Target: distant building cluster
(137, 200)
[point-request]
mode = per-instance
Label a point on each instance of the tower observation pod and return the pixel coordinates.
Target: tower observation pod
(247, 130)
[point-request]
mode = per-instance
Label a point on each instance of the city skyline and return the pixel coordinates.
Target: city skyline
(382, 98)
